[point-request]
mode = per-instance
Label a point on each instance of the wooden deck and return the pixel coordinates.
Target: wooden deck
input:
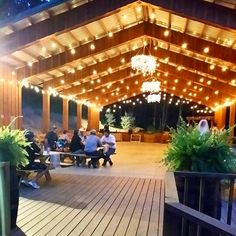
(93, 205)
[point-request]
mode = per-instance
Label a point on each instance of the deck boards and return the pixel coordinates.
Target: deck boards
(93, 205)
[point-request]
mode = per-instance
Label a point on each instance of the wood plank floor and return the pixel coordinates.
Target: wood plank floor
(93, 205)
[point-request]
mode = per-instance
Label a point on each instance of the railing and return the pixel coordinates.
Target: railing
(185, 214)
(4, 199)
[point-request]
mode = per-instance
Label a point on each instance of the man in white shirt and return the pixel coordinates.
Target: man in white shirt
(109, 143)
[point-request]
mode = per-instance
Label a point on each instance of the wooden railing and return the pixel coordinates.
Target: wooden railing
(4, 199)
(180, 219)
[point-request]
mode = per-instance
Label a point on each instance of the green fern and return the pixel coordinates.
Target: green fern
(12, 146)
(191, 151)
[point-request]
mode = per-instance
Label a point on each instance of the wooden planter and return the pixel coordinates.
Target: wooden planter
(149, 138)
(125, 137)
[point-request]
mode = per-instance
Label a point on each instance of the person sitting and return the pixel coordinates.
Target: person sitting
(33, 152)
(76, 146)
(51, 139)
(109, 143)
(63, 141)
(82, 135)
(90, 149)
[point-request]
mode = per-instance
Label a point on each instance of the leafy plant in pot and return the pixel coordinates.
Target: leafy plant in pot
(195, 151)
(12, 150)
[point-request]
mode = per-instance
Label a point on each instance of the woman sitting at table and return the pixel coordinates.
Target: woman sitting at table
(76, 146)
(33, 152)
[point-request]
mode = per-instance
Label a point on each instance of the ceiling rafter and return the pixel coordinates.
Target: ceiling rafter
(103, 44)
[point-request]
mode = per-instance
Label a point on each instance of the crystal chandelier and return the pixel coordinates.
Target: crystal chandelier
(146, 64)
(153, 98)
(151, 86)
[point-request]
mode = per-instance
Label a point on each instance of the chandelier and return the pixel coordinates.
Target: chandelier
(146, 64)
(151, 86)
(153, 98)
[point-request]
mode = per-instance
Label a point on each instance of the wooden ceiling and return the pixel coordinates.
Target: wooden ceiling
(82, 49)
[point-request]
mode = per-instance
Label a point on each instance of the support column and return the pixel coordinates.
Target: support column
(65, 114)
(220, 117)
(46, 112)
(232, 117)
(93, 118)
(79, 116)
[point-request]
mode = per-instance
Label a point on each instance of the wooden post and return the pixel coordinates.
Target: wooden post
(79, 116)
(46, 112)
(220, 117)
(93, 118)
(65, 114)
(232, 118)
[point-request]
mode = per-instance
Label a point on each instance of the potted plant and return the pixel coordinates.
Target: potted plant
(192, 150)
(12, 150)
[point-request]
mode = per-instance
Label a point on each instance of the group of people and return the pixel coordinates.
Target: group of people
(91, 145)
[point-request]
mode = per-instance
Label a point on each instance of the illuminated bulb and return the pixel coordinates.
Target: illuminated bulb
(94, 72)
(122, 81)
(189, 83)
(165, 82)
(209, 82)
(54, 45)
(166, 74)
(73, 71)
(98, 81)
(185, 90)
(166, 59)
(224, 68)
(134, 94)
(173, 87)
(96, 98)
(30, 63)
(123, 60)
(110, 34)
(176, 81)
(155, 48)
(153, 16)
(103, 90)
(212, 67)
(91, 82)
(201, 80)
(139, 9)
(62, 81)
(44, 49)
(109, 69)
(84, 90)
(127, 87)
(184, 45)
(179, 68)
(124, 17)
(206, 50)
(92, 46)
(13, 73)
(72, 51)
(195, 87)
(216, 92)
(206, 98)
(166, 33)
(200, 89)
(80, 67)
(136, 82)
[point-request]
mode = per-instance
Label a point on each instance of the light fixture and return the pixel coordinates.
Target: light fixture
(151, 86)
(153, 98)
(146, 64)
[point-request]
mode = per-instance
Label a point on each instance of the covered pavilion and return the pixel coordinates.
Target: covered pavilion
(81, 51)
